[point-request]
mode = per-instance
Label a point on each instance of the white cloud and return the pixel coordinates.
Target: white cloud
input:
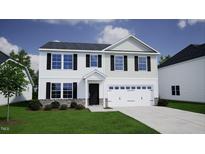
(183, 23)
(34, 61)
(6, 46)
(75, 21)
(112, 34)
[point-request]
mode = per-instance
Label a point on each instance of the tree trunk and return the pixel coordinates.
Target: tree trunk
(8, 109)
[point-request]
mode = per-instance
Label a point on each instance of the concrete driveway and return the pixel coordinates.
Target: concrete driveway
(167, 120)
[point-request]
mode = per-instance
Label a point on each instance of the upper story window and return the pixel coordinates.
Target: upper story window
(119, 62)
(56, 61)
(56, 90)
(68, 62)
(94, 60)
(142, 64)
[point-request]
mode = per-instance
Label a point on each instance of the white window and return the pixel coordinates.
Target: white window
(67, 90)
(122, 87)
(68, 61)
(119, 62)
(127, 88)
(116, 88)
(149, 87)
(142, 64)
(56, 61)
(56, 90)
(143, 87)
(94, 60)
(133, 88)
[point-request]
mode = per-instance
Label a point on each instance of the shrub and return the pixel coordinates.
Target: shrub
(37, 101)
(79, 107)
(34, 106)
(162, 102)
(55, 104)
(63, 107)
(48, 107)
(73, 105)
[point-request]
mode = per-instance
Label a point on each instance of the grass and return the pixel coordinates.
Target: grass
(69, 121)
(187, 106)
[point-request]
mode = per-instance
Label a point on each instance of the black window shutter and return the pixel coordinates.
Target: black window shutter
(125, 63)
(136, 63)
(148, 63)
(99, 60)
(48, 61)
(112, 64)
(74, 89)
(48, 88)
(75, 62)
(87, 60)
(173, 90)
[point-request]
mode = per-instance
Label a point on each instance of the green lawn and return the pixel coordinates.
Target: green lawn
(188, 106)
(69, 121)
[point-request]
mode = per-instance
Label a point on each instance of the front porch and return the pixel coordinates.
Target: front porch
(94, 89)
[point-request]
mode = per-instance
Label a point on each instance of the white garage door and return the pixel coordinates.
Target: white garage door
(132, 95)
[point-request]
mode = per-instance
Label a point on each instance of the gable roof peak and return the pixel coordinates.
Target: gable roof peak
(136, 39)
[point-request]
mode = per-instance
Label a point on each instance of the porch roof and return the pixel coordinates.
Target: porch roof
(95, 75)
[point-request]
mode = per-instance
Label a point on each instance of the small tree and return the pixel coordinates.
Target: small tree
(12, 80)
(164, 58)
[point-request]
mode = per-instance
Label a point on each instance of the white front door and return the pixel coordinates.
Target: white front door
(132, 95)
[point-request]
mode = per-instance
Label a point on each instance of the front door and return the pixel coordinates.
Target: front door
(93, 94)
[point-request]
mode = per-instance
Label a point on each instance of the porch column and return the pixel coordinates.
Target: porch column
(86, 93)
(103, 94)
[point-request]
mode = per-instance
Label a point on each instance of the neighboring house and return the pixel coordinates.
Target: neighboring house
(182, 77)
(121, 74)
(25, 95)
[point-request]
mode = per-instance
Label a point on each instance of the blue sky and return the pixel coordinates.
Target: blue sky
(167, 36)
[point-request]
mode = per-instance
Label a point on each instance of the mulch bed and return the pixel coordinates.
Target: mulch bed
(4, 122)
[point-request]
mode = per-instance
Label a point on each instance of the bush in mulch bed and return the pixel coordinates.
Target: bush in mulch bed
(79, 107)
(55, 104)
(35, 105)
(73, 105)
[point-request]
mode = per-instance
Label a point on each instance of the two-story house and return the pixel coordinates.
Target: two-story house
(120, 74)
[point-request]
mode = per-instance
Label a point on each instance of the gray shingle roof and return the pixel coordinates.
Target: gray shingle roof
(74, 46)
(3, 57)
(188, 53)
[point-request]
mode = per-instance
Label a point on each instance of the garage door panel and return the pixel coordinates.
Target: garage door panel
(130, 96)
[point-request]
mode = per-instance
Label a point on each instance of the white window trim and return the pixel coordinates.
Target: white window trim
(122, 62)
(63, 62)
(97, 60)
(52, 90)
(52, 61)
(61, 96)
(139, 63)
